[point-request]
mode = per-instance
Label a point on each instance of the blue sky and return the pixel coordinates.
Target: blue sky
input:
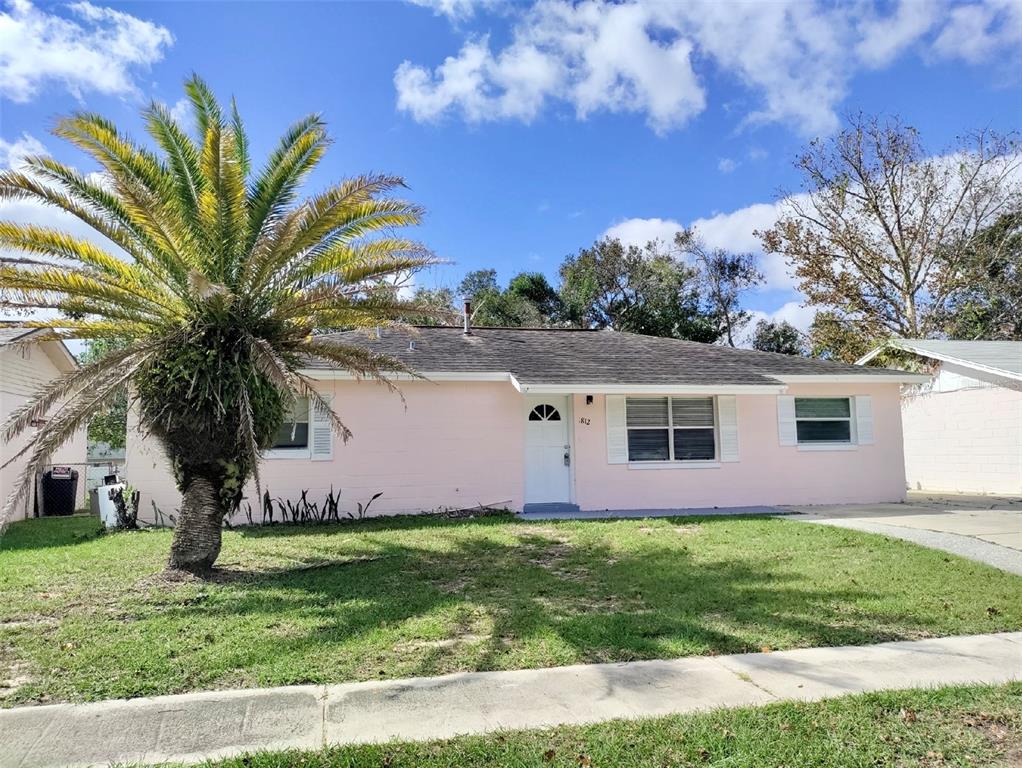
(528, 131)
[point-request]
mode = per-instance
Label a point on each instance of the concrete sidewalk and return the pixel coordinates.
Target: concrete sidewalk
(191, 727)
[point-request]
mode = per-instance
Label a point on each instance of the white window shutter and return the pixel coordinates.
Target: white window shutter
(864, 419)
(321, 433)
(617, 432)
(727, 412)
(786, 430)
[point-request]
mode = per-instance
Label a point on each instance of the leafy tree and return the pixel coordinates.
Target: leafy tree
(439, 300)
(723, 278)
(988, 305)
(229, 276)
(643, 290)
(833, 336)
(780, 337)
(534, 288)
(881, 233)
(528, 301)
(478, 283)
(110, 423)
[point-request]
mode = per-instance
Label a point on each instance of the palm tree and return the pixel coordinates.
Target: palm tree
(227, 279)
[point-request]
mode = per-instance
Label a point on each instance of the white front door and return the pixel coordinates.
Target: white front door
(547, 451)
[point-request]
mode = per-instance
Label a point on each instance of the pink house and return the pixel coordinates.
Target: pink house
(591, 420)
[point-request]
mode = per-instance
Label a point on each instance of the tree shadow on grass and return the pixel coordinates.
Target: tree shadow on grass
(546, 598)
(46, 532)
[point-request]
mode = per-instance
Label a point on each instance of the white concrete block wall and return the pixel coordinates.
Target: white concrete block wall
(964, 441)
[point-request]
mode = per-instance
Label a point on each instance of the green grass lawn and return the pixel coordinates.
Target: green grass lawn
(85, 616)
(929, 729)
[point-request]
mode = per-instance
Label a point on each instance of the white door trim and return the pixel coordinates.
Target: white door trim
(567, 414)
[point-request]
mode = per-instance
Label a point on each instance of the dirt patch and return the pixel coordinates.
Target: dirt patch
(450, 642)
(1001, 733)
(687, 530)
(12, 678)
(28, 622)
(544, 546)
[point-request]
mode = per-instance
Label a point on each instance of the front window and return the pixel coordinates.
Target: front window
(823, 419)
(294, 432)
(671, 428)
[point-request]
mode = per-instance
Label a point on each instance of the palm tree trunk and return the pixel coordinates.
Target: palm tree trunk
(197, 533)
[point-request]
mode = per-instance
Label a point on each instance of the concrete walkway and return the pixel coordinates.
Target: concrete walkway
(192, 727)
(986, 529)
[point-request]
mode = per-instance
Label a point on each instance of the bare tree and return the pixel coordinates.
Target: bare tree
(880, 232)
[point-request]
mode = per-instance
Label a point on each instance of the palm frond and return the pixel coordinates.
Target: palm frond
(182, 155)
(299, 151)
(204, 104)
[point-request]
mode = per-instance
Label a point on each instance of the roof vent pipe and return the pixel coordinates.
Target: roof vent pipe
(468, 317)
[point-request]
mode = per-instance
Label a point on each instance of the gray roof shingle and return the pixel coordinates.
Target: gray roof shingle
(563, 356)
(10, 334)
(1003, 356)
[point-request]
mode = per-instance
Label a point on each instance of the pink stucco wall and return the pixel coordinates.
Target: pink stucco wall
(449, 445)
(462, 444)
(767, 472)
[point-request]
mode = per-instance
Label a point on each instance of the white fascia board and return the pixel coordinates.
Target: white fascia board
(331, 374)
(853, 378)
(651, 389)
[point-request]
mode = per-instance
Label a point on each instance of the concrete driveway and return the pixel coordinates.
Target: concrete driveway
(983, 528)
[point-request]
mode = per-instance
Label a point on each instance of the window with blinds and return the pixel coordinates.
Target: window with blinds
(823, 419)
(671, 428)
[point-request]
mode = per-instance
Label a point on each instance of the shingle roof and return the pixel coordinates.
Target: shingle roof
(8, 334)
(996, 356)
(561, 356)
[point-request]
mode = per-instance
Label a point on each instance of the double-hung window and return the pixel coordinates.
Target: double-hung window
(823, 420)
(671, 428)
(292, 437)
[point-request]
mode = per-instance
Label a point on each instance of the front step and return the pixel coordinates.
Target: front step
(551, 511)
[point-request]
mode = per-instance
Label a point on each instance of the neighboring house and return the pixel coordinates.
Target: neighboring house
(596, 419)
(103, 462)
(25, 366)
(963, 429)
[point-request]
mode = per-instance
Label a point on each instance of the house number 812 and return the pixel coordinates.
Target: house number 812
(583, 420)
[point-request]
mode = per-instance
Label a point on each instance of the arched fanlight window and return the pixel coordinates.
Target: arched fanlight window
(544, 412)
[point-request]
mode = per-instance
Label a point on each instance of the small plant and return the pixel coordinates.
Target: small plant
(125, 501)
(362, 510)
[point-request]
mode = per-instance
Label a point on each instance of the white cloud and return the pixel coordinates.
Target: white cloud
(593, 56)
(638, 232)
(976, 33)
(458, 10)
(885, 37)
(733, 231)
(795, 57)
(12, 152)
(96, 49)
(793, 312)
(727, 165)
(182, 111)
